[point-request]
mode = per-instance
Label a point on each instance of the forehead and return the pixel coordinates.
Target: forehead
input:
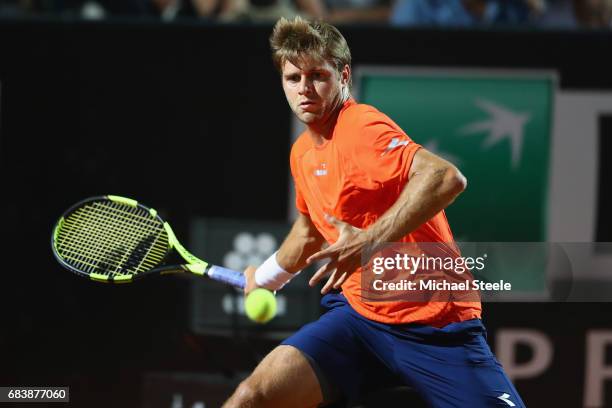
(307, 64)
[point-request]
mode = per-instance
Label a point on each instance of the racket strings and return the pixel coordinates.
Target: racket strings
(149, 226)
(111, 238)
(107, 257)
(89, 236)
(111, 222)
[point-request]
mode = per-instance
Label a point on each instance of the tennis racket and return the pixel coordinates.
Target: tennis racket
(117, 240)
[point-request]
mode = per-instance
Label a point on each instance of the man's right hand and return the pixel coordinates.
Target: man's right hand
(249, 274)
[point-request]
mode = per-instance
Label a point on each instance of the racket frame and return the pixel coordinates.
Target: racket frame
(194, 264)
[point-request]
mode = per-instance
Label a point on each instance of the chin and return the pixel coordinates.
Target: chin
(307, 118)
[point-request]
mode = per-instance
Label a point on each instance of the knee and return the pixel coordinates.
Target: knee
(247, 395)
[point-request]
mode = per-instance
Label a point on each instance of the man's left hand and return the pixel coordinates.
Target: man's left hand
(344, 255)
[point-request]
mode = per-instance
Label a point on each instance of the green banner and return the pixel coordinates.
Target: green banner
(495, 127)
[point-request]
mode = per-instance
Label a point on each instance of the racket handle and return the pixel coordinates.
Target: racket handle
(225, 275)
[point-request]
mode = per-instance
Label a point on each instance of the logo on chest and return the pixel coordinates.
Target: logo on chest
(321, 170)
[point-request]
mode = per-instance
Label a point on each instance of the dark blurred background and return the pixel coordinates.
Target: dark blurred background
(183, 110)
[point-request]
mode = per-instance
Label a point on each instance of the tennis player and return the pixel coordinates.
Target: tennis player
(361, 180)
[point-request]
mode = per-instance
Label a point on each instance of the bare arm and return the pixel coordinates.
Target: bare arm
(302, 241)
(433, 184)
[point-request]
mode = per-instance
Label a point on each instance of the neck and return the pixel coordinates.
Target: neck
(323, 130)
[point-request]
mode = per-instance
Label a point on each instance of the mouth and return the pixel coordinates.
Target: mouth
(306, 104)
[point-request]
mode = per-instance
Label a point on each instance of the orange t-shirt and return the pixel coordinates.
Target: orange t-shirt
(356, 176)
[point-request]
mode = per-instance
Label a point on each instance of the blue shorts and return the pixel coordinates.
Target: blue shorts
(449, 367)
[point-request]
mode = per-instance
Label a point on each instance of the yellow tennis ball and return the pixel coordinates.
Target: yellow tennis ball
(260, 305)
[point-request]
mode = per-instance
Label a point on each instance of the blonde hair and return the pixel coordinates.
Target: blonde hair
(292, 40)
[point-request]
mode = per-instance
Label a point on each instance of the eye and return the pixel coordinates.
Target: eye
(293, 78)
(318, 76)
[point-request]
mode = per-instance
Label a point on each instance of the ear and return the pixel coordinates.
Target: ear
(345, 75)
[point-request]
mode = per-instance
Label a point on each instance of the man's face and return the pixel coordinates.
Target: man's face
(314, 89)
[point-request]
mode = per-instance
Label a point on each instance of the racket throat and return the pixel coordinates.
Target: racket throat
(194, 264)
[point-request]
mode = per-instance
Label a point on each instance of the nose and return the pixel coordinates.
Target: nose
(304, 86)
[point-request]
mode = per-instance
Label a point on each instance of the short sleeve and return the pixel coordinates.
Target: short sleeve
(300, 203)
(380, 150)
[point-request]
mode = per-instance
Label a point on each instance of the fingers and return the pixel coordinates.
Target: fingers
(332, 250)
(321, 273)
(249, 274)
(330, 282)
(324, 253)
(335, 281)
(340, 280)
(338, 254)
(337, 277)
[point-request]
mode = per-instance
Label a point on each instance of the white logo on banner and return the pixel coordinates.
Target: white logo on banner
(502, 124)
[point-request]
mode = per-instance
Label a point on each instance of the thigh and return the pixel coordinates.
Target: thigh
(477, 386)
(336, 347)
(284, 378)
(456, 369)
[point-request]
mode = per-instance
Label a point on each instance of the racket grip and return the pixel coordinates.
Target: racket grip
(225, 275)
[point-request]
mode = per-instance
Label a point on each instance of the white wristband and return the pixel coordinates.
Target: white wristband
(271, 275)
